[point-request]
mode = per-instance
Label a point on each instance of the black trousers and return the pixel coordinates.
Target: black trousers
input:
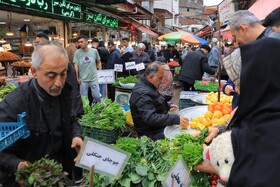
(188, 87)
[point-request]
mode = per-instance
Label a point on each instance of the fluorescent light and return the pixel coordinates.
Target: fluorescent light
(2, 23)
(26, 20)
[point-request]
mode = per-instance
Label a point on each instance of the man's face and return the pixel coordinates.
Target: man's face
(52, 73)
(125, 43)
(242, 35)
(83, 43)
(110, 48)
(94, 45)
(40, 41)
(157, 78)
(141, 51)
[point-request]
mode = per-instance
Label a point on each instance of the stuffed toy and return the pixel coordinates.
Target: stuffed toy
(220, 155)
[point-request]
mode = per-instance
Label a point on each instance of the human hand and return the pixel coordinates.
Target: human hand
(173, 107)
(77, 143)
(22, 165)
(78, 81)
(184, 122)
(229, 89)
(212, 133)
(233, 112)
(206, 167)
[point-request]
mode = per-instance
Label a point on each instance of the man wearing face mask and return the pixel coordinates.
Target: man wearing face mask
(149, 109)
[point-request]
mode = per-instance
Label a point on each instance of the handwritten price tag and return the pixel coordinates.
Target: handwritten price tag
(140, 66)
(106, 76)
(6, 47)
(118, 67)
(178, 176)
(130, 65)
(106, 159)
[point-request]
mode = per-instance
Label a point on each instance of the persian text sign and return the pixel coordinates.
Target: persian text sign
(106, 76)
(226, 9)
(106, 159)
(178, 176)
(61, 8)
(102, 19)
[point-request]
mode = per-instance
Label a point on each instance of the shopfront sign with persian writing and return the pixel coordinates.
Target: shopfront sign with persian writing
(102, 19)
(106, 159)
(61, 8)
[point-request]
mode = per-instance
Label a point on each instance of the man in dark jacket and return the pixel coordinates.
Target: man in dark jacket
(51, 119)
(194, 65)
(149, 108)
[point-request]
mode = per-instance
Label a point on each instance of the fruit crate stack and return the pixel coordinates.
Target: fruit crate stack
(10, 132)
(206, 85)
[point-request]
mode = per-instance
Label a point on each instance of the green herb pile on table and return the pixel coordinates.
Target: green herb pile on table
(104, 115)
(126, 80)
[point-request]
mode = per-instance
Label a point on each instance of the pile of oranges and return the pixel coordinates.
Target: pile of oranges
(212, 97)
(218, 114)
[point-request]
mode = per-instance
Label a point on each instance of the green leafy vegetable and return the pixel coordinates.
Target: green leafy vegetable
(126, 80)
(44, 172)
(104, 115)
(5, 90)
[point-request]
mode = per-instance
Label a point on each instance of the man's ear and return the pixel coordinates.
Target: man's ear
(34, 72)
(243, 27)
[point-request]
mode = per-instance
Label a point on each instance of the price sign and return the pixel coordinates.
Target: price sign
(106, 76)
(130, 65)
(6, 47)
(118, 67)
(106, 159)
(140, 66)
(178, 176)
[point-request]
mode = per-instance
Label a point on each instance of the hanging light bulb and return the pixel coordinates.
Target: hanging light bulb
(2, 41)
(75, 34)
(89, 38)
(28, 43)
(9, 33)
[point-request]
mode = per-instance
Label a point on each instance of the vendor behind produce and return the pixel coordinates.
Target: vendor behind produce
(47, 101)
(149, 108)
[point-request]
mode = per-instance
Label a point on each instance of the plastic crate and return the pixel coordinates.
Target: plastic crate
(10, 132)
(103, 135)
(210, 86)
(185, 103)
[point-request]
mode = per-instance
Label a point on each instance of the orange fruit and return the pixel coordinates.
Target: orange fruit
(211, 108)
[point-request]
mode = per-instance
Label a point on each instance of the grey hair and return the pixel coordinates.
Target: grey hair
(153, 68)
(242, 17)
(41, 51)
(140, 45)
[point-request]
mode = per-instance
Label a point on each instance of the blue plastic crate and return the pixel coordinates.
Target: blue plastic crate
(10, 132)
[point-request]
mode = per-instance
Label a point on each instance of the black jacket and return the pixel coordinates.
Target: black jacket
(194, 65)
(149, 109)
(26, 99)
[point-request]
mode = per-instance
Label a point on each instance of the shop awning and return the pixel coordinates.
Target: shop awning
(205, 30)
(225, 34)
(261, 8)
(143, 29)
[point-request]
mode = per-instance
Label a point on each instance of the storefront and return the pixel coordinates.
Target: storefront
(21, 21)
